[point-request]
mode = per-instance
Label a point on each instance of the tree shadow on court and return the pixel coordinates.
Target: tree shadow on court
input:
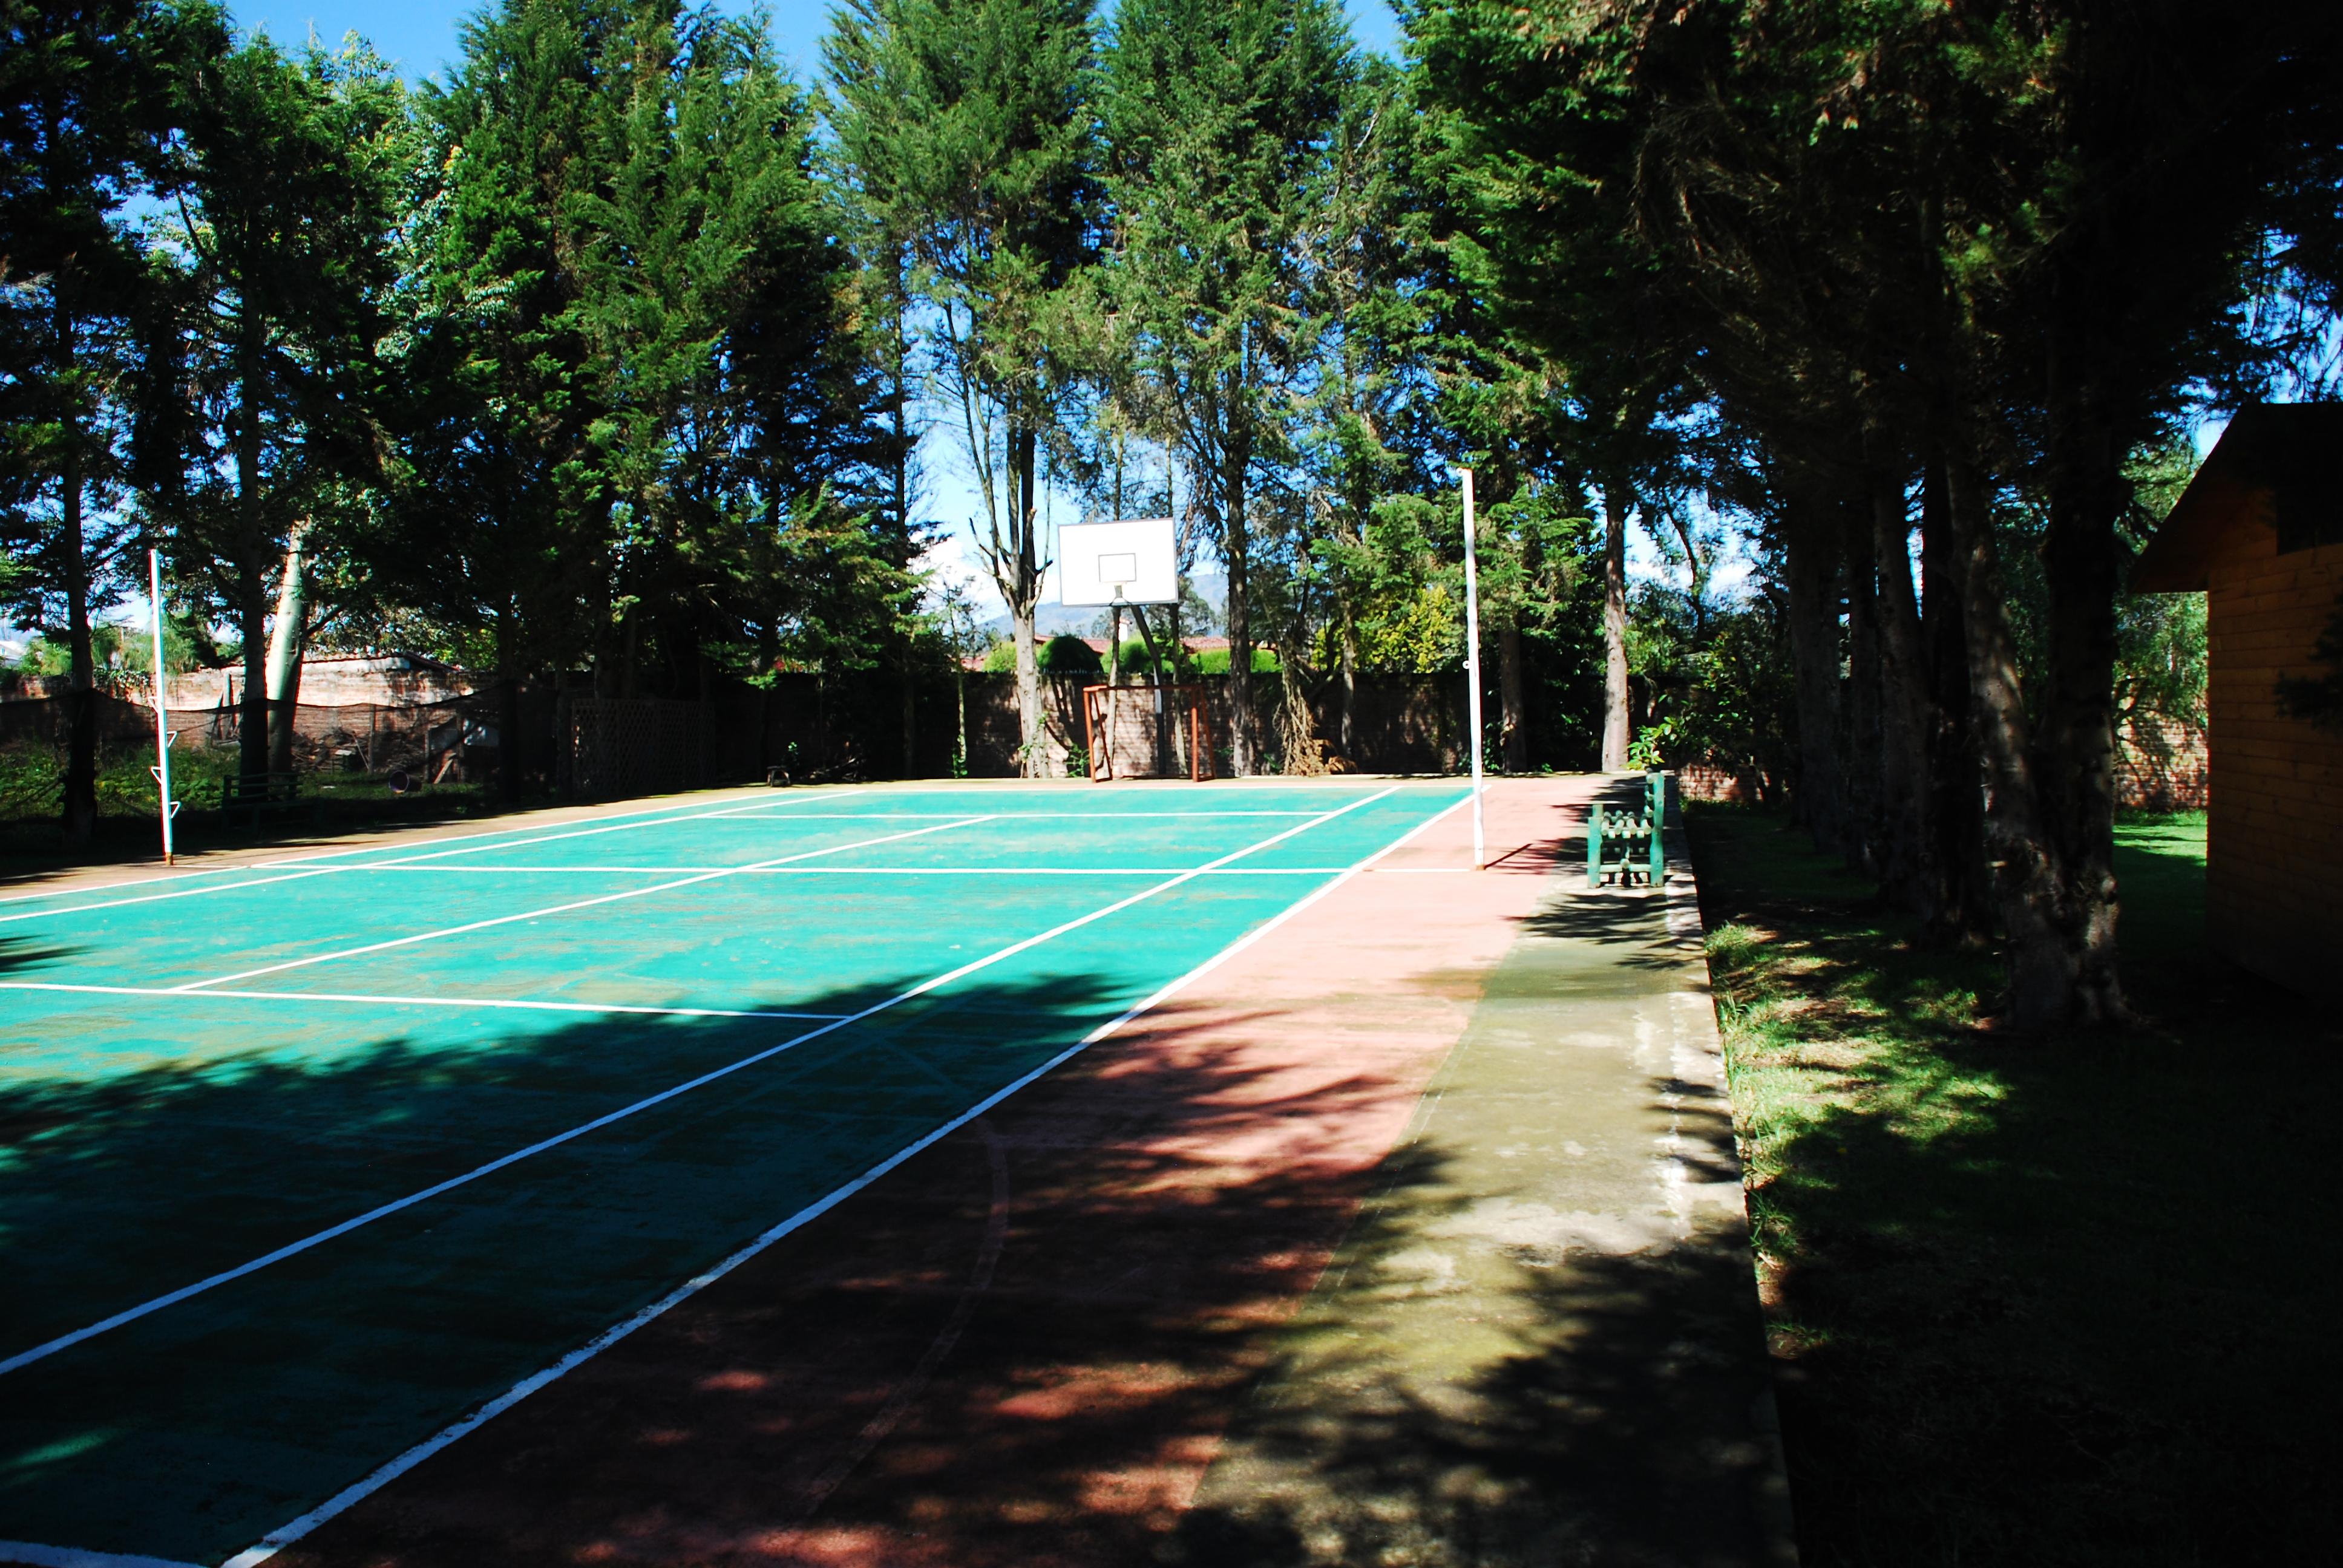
(20, 955)
(149, 1143)
(1024, 1347)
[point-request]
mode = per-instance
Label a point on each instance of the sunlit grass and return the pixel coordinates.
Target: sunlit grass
(2032, 1301)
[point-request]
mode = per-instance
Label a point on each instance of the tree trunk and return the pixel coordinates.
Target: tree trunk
(1616, 504)
(2087, 493)
(1032, 742)
(1347, 720)
(286, 645)
(509, 760)
(1234, 546)
(253, 547)
(911, 703)
(1513, 725)
(80, 806)
(1906, 869)
(2017, 847)
(1964, 901)
(252, 721)
(1862, 776)
(1811, 542)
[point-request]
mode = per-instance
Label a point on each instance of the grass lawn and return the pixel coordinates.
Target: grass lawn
(2071, 1300)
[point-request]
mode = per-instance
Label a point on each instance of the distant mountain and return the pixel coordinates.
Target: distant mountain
(1054, 619)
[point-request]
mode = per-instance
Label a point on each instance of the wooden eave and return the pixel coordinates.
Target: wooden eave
(2263, 450)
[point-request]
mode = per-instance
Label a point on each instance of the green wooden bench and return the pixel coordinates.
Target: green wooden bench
(1619, 838)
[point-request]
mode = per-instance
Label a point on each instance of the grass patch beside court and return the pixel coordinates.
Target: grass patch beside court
(2062, 1302)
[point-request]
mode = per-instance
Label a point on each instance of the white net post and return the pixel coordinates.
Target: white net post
(1473, 667)
(164, 807)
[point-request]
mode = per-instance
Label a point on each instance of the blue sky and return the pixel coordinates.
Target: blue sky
(420, 35)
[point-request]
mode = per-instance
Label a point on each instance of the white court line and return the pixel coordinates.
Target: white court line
(40, 1556)
(763, 870)
(284, 1535)
(331, 854)
(293, 1248)
(1028, 816)
(315, 868)
(393, 1001)
(385, 946)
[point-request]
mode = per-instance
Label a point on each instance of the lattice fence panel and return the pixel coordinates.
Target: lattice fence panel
(615, 746)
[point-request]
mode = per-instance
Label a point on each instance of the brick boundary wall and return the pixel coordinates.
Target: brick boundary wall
(2161, 765)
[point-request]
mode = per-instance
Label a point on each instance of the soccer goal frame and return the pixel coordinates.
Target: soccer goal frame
(1175, 716)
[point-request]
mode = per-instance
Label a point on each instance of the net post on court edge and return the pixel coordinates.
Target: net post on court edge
(164, 806)
(1473, 667)
(1125, 564)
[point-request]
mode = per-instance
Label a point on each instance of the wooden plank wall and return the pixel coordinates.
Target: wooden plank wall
(2275, 826)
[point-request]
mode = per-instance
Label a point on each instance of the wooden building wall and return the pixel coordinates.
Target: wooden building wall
(2274, 891)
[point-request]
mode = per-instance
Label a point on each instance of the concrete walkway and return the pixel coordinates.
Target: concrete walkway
(1539, 1342)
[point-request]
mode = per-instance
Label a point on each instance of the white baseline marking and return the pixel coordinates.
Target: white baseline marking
(293, 1248)
(387, 1000)
(316, 867)
(565, 909)
(276, 1540)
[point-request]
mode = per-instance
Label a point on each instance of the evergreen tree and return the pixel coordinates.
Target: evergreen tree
(85, 100)
(1221, 122)
(286, 260)
(966, 125)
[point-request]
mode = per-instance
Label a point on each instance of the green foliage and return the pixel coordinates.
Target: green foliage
(1067, 654)
(1977, 1259)
(1216, 661)
(1716, 681)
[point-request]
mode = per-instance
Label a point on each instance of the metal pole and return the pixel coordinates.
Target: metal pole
(162, 712)
(1473, 667)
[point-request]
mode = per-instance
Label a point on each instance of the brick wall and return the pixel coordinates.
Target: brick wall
(2162, 765)
(2276, 818)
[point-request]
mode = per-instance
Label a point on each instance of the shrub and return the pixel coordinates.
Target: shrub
(1067, 654)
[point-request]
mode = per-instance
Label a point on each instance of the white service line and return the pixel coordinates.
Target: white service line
(1032, 815)
(284, 1535)
(763, 870)
(385, 946)
(387, 999)
(316, 866)
(293, 1248)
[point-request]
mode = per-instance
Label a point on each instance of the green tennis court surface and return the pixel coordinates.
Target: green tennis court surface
(306, 1162)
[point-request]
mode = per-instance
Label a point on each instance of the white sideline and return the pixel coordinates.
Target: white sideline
(410, 940)
(317, 868)
(293, 1248)
(392, 1001)
(284, 1535)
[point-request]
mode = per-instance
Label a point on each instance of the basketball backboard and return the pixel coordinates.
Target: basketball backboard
(1132, 561)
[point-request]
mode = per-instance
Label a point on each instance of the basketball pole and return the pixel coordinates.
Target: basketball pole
(1473, 667)
(162, 712)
